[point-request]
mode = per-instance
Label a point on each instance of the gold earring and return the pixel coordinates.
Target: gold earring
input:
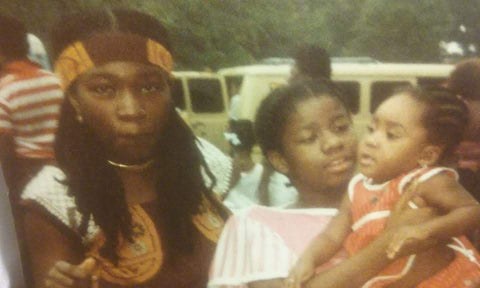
(79, 118)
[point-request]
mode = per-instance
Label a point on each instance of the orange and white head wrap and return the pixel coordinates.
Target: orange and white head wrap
(107, 47)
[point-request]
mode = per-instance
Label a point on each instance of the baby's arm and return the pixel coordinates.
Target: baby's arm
(459, 211)
(323, 246)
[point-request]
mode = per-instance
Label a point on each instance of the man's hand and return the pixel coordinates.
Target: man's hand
(64, 275)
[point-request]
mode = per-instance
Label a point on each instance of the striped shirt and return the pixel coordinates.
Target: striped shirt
(30, 100)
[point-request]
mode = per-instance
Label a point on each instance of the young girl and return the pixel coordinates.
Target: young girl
(306, 133)
(411, 135)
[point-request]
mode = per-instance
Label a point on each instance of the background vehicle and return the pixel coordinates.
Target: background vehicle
(366, 85)
(202, 100)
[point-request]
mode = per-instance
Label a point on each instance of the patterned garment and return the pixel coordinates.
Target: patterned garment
(264, 243)
(219, 164)
(370, 208)
(141, 262)
(30, 100)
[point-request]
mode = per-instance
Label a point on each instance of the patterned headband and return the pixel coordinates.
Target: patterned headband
(108, 47)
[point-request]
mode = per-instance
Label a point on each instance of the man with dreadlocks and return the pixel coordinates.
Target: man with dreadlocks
(132, 203)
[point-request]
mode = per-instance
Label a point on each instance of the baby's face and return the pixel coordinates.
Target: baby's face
(395, 139)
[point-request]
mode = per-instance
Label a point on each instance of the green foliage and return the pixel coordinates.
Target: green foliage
(402, 30)
(222, 33)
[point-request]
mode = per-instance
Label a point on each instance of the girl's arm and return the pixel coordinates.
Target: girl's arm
(51, 252)
(459, 211)
(358, 269)
(368, 262)
(324, 246)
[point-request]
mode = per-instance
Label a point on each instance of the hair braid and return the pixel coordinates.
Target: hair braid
(445, 117)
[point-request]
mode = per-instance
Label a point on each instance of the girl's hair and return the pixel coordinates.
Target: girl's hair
(244, 131)
(445, 117)
(314, 61)
(465, 79)
(275, 109)
(97, 189)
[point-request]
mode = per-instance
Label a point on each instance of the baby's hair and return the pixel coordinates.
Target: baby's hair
(275, 109)
(445, 117)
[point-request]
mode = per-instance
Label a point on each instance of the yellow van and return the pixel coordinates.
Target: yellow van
(201, 99)
(365, 84)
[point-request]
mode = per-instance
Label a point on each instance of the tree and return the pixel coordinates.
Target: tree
(402, 30)
(466, 14)
(222, 33)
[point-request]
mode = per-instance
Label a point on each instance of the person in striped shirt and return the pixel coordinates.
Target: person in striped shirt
(30, 99)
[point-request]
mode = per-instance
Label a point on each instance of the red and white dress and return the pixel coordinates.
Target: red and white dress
(370, 208)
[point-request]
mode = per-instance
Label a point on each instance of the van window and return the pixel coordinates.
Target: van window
(206, 95)
(351, 92)
(178, 94)
(381, 90)
(233, 82)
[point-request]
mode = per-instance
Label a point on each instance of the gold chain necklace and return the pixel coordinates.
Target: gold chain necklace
(132, 167)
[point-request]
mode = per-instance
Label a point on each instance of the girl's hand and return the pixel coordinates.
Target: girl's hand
(300, 273)
(64, 275)
(408, 239)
